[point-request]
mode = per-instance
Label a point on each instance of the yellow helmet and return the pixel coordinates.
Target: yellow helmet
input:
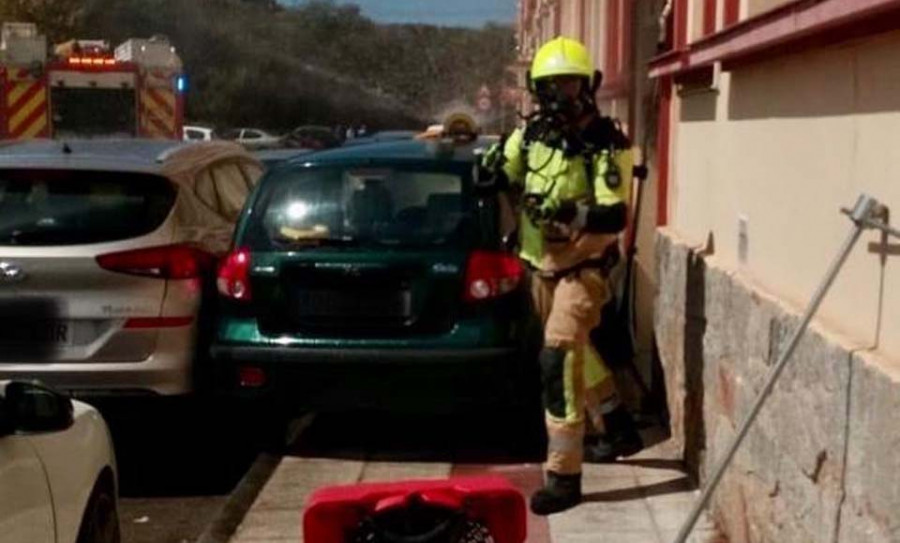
(562, 56)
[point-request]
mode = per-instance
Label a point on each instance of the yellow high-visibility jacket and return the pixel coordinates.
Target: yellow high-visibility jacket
(548, 172)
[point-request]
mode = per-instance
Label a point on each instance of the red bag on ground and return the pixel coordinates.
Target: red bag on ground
(464, 509)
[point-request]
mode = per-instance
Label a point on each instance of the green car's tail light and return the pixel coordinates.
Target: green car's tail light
(233, 279)
(491, 274)
(251, 377)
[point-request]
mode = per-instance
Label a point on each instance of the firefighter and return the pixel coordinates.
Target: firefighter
(571, 169)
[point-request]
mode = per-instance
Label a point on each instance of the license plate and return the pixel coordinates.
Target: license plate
(332, 303)
(45, 333)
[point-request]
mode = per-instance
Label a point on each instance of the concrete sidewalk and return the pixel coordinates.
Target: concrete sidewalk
(643, 499)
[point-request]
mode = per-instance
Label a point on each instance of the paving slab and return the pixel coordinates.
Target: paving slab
(277, 511)
(642, 499)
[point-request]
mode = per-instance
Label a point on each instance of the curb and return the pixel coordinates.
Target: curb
(241, 499)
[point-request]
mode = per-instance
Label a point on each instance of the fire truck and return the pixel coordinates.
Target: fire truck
(86, 89)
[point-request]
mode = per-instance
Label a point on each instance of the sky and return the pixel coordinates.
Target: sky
(439, 12)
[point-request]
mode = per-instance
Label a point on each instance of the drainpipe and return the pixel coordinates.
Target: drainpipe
(663, 17)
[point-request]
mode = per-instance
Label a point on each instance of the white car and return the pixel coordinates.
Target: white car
(198, 133)
(253, 138)
(57, 469)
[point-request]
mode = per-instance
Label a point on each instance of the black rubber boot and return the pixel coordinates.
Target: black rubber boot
(621, 439)
(560, 492)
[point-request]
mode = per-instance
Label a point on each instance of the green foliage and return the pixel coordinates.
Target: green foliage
(256, 62)
(57, 18)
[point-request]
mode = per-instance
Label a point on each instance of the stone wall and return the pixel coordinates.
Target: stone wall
(822, 463)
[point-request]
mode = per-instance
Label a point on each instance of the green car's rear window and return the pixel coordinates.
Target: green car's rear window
(383, 206)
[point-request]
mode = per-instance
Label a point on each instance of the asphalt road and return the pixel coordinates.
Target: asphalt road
(178, 462)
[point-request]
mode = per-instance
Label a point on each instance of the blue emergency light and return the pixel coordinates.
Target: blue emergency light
(181, 83)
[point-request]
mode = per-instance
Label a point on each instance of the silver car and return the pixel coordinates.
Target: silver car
(253, 138)
(105, 252)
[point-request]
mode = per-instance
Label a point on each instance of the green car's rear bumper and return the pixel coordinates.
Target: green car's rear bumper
(419, 379)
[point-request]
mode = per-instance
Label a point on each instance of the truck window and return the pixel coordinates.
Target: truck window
(92, 112)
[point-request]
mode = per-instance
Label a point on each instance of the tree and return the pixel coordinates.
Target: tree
(58, 19)
(271, 5)
(255, 62)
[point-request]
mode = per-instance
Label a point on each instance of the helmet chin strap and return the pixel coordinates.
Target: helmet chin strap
(588, 96)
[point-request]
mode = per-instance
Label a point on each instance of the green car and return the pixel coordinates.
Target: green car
(375, 276)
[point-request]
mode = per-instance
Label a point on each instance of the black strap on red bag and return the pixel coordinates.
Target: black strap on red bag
(418, 522)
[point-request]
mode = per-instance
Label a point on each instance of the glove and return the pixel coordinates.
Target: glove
(538, 208)
(542, 210)
(492, 159)
(567, 213)
(489, 166)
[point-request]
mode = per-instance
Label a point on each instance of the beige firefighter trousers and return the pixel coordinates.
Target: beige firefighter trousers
(569, 309)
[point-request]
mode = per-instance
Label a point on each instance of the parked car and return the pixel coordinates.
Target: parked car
(312, 137)
(104, 249)
(375, 276)
(253, 138)
(273, 157)
(57, 469)
(380, 137)
(198, 133)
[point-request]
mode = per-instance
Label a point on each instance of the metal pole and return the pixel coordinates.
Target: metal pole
(860, 215)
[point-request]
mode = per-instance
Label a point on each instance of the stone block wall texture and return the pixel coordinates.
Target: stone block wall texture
(822, 463)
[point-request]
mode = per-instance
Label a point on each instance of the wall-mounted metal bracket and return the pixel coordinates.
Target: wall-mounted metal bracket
(876, 219)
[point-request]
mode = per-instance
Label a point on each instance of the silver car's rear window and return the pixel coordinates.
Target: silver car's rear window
(74, 207)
